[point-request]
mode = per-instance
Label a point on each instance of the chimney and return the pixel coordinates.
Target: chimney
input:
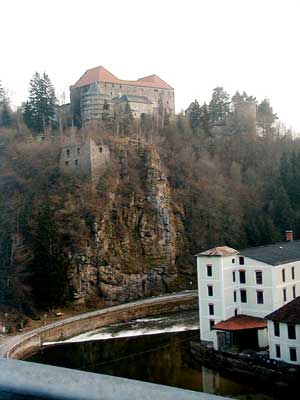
(289, 236)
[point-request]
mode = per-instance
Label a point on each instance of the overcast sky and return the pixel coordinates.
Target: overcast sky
(195, 45)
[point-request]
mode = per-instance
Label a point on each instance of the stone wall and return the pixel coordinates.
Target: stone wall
(84, 159)
(26, 344)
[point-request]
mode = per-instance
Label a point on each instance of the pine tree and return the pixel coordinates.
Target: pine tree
(5, 112)
(194, 115)
(39, 109)
(219, 105)
(127, 120)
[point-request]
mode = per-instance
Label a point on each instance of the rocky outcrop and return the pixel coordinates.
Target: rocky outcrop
(137, 235)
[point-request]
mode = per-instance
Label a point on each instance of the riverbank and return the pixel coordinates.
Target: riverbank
(283, 378)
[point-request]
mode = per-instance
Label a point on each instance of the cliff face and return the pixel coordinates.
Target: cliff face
(136, 237)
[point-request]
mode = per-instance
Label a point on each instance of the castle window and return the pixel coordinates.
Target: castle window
(66, 162)
(78, 151)
(258, 275)
(260, 297)
(234, 296)
(242, 276)
(291, 331)
(209, 270)
(277, 350)
(293, 272)
(76, 162)
(293, 354)
(284, 294)
(276, 329)
(243, 293)
(68, 153)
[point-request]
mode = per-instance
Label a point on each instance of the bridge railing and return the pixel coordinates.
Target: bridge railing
(26, 380)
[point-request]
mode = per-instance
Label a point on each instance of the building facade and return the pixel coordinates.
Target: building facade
(253, 282)
(284, 333)
(145, 95)
(85, 159)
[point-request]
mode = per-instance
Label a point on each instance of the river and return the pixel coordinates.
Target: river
(154, 349)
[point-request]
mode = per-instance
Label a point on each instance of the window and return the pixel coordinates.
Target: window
(283, 275)
(242, 276)
(66, 163)
(100, 149)
(211, 309)
(233, 260)
(258, 275)
(284, 294)
(276, 329)
(234, 296)
(236, 312)
(210, 290)
(293, 354)
(76, 162)
(68, 153)
(78, 150)
(233, 276)
(294, 292)
(291, 331)
(293, 272)
(209, 270)
(211, 324)
(243, 296)
(260, 297)
(277, 351)
(242, 261)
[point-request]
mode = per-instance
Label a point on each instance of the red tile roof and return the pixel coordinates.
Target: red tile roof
(241, 322)
(101, 74)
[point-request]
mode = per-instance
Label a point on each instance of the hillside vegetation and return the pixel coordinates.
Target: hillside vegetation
(211, 178)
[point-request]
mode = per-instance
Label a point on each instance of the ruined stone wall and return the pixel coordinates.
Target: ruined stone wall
(86, 160)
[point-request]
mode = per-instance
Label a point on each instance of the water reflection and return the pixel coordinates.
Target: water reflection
(163, 358)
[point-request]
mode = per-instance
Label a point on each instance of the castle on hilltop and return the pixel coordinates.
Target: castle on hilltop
(98, 89)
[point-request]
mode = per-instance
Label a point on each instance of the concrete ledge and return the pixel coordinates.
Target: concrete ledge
(25, 380)
(21, 346)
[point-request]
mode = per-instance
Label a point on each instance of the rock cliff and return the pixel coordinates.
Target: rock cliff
(136, 235)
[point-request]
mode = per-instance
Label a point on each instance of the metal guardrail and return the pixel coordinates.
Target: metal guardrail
(26, 380)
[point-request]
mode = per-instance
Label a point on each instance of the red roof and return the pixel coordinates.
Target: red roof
(241, 322)
(101, 74)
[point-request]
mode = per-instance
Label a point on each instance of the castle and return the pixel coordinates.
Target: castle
(98, 89)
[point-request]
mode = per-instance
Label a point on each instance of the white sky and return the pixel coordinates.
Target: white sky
(195, 45)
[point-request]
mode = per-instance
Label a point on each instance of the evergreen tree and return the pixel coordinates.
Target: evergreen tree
(127, 120)
(5, 116)
(266, 118)
(39, 109)
(194, 115)
(5, 112)
(49, 265)
(219, 106)
(107, 117)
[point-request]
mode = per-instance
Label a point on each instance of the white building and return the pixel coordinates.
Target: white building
(284, 333)
(238, 289)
